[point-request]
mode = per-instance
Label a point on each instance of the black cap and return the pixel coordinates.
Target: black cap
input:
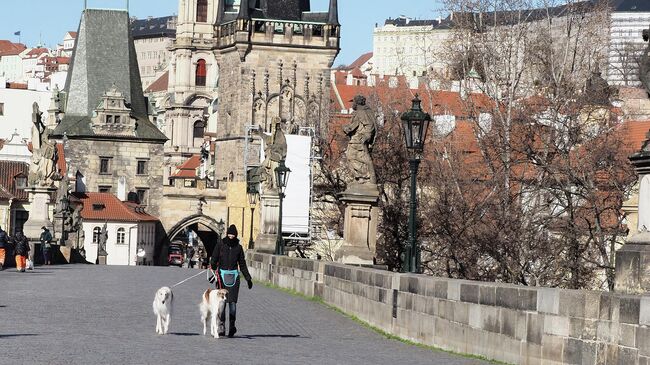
(232, 230)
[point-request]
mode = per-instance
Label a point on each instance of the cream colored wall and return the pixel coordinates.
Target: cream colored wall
(239, 209)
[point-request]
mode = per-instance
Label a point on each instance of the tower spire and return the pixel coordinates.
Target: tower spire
(334, 13)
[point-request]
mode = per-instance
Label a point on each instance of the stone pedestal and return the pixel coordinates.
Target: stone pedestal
(633, 265)
(101, 260)
(270, 204)
(360, 226)
(39, 212)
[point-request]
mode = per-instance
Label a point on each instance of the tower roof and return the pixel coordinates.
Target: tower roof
(334, 13)
(104, 56)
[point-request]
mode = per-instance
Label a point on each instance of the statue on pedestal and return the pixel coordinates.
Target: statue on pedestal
(644, 62)
(275, 150)
(362, 132)
(103, 238)
(44, 154)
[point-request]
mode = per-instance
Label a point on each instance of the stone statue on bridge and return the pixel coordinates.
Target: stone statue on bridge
(362, 132)
(644, 63)
(42, 169)
(275, 150)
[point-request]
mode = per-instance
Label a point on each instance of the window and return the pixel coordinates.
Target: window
(199, 129)
(201, 72)
(202, 11)
(189, 183)
(2, 108)
(117, 119)
(142, 196)
(104, 165)
(121, 236)
(142, 167)
(109, 119)
(104, 189)
(96, 234)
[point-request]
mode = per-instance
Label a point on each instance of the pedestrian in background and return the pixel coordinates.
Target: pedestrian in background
(22, 251)
(46, 245)
(4, 245)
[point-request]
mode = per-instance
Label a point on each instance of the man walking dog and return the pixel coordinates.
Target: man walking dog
(227, 260)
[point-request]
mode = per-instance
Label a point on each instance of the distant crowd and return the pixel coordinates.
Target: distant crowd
(15, 250)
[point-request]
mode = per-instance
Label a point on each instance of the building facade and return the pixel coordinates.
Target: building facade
(11, 62)
(629, 18)
(111, 145)
(152, 38)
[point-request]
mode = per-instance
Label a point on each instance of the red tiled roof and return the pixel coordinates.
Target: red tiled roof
(8, 48)
(60, 163)
(107, 207)
(73, 34)
(360, 61)
(159, 85)
(636, 132)
(188, 169)
(35, 52)
(8, 171)
(16, 86)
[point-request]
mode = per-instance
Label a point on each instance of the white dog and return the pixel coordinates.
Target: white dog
(162, 308)
(210, 304)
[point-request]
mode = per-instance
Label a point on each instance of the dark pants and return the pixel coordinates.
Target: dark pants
(232, 316)
(46, 256)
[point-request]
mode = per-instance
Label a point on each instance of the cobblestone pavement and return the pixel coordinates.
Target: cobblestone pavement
(79, 314)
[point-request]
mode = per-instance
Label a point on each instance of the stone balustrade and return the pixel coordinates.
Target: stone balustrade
(514, 324)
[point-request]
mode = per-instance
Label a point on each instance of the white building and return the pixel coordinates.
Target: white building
(68, 44)
(31, 59)
(16, 118)
(628, 20)
(128, 226)
(11, 62)
(409, 47)
(152, 38)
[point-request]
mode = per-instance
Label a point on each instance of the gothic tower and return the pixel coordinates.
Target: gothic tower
(275, 58)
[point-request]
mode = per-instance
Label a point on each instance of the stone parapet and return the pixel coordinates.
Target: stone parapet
(514, 324)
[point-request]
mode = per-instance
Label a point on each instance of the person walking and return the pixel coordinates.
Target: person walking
(228, 260)
(4, 245)
(21, 251)
(46, 245)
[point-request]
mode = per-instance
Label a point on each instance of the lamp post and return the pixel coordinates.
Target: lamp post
(65, 205)
(281, 177)
(252, 193)
(416, 126)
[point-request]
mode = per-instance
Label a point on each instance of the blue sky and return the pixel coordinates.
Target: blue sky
(49, 20)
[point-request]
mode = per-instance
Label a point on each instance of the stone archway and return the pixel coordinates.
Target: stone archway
(195, 222)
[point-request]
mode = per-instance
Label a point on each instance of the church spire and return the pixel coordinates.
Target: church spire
(334, 13)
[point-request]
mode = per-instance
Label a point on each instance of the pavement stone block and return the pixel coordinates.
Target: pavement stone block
(507, 297)
(553, 348)
(453, 290)
(527, 300)
(556, 325)
(572, 303)
(534, 328)
(643, 340)
(441, 289)
(628, 335)
(644, 311)
(491, 319)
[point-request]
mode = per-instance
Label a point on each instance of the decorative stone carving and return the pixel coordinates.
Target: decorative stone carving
(360, 229)
(44, 155)
(644, 64)
(275, 150)
(101, 245)
(362, 132)
(112, 115)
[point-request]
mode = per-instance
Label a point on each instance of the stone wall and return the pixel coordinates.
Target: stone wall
(514, 324)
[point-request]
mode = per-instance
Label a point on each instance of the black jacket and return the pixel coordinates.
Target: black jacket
(4, 239)
(22, 245)
(229, 255)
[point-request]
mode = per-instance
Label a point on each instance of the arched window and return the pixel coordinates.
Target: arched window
(199, 129)
(96, 233)
(202, 11)
(201, 73)
(121, 236)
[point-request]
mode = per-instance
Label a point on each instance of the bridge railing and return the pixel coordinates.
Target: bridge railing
(515, 324)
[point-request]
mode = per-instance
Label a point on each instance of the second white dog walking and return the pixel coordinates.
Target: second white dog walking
(212, 301)
(162, 308)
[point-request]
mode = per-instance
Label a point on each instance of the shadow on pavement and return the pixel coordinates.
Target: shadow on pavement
(251, 337)
(17, 335)
(184, 334)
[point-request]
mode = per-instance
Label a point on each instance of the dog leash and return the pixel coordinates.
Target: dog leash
(191, 277)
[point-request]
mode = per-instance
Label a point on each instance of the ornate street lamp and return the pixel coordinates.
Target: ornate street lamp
(281, 177)
(252, 192)
(65, 206)
(416, 125)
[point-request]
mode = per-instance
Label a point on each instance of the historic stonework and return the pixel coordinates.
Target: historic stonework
(112, 146)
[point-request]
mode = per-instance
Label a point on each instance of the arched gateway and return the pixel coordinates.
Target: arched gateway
(206, 227)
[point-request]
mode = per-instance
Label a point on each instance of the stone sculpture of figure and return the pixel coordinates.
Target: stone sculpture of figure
(76, 218)
(275, 150)
(61, 193)
(644, 64)
(44, 154)
(361, 131)
(103, 238)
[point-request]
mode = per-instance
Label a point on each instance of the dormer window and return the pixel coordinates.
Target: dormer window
(109, 119)
(202, 11)
(99, 206)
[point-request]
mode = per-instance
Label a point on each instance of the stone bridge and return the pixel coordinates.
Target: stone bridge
(86, 314)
